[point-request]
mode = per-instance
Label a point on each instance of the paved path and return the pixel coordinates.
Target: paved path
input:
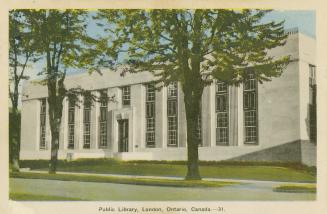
(118, 192)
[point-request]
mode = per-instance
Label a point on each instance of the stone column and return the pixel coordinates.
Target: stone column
(63, 139)
(161, 118)
(94, 122)
(138, 119)
(79, 124)
(206, 117)
(181, 121)
(233, 115)
(212, 113)
(240, 118)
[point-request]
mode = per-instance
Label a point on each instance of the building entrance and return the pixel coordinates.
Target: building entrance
(123, 135)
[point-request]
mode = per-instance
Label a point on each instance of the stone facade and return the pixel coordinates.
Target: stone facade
(281, 126)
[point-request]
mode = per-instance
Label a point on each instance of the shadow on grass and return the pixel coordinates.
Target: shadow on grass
(123, 180)
(34, 197)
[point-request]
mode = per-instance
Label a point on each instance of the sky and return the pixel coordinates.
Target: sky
(304, 20)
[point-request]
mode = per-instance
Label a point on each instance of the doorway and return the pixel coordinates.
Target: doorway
(123, 135)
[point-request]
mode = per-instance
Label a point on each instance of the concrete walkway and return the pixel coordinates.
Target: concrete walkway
(246, 190)
(94, 191)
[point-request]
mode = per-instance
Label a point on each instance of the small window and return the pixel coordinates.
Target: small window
(199, 127)
(250, 100)
(103, 119)
(250, 83)
(312, 104)
(43, 113)
(150, 115)
(250, 110)
(71, 123)
(172, 90)
(126, 95)
(312, 75)
(172, 109)
(87, 123)
(221, 87)
(150, 92)
(222, 120)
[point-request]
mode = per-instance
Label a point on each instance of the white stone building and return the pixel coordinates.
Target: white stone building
(260, 122)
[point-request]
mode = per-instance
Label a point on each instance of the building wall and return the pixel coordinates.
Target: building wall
(29, 122)
(278, 108)
(282, 116)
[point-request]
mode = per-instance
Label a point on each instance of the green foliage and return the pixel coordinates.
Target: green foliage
(62, 41)
(21, 53)
(176, 44)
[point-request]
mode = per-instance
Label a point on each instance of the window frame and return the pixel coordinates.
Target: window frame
(172, 115)
(222, 113)
(199, 125)
(150, 115)
(103, 120)
(126, 95)
(87, 107)
(250, 111)
(43, 124)
(312, 103)
(71, 125)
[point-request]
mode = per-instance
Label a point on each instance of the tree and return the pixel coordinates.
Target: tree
(64, 44)
(195, 47)
(21, 53)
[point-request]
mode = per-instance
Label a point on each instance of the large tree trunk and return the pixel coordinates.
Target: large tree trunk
(54, 150)
(192, 154)
(14, 147)
(55, 113)
(192, 108)
(55, 99)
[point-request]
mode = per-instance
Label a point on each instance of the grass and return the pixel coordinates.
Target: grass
(296, 188)
(293, 172)
(34, 197)
(122, 180)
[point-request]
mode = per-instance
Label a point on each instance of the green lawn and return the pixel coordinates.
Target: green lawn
(34, 197)
(241, 170)
(296, 188)
(121, 180)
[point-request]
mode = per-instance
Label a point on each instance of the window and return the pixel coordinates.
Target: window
(312, 103)
(172, 114)
(250, 109)
(103, 119)
(87, 123)
(71, 123)
(199, 127)
(126, 95)
(150, 115)
(43, 113)
(172, 90)
(222, 120)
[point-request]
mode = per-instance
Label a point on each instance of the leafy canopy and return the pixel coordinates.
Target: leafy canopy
(205, 44)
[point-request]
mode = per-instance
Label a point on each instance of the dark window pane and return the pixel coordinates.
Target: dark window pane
(250, 109)
(43, 111)
(126, 95)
